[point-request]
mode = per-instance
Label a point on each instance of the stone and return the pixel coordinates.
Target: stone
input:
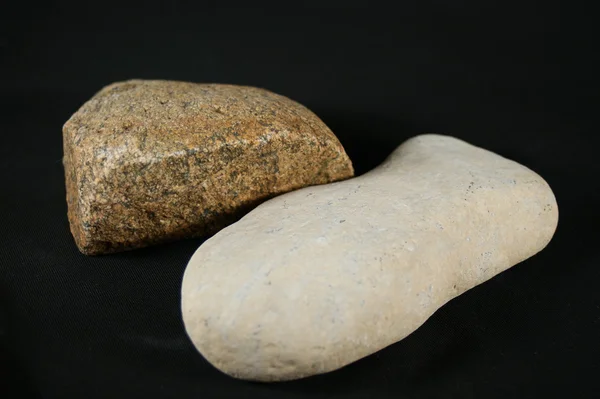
(148, 162)
(318, 278)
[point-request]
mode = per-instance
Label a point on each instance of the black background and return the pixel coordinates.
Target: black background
(516, 78)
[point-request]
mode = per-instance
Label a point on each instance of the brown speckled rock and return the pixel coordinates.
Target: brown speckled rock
(153, 161)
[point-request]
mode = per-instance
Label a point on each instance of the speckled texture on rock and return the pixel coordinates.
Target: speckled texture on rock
(153, 161)
(313, 280)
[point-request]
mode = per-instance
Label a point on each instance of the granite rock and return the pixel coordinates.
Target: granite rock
(318, 278)
(153, 161)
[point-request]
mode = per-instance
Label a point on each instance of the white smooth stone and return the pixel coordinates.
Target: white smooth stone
(313, 280)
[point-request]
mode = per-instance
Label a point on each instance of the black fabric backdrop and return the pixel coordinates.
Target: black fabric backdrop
(517, 79)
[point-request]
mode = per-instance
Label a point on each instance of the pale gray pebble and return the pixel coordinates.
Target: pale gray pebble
(316, 279)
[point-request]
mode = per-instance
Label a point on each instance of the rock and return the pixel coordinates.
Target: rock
(153, 161)
(313, 280)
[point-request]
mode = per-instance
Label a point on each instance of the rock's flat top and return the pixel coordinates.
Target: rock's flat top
(152, 161)
(315, 279)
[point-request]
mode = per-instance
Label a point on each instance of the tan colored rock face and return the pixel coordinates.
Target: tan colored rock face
(153, 161)
(313, 280)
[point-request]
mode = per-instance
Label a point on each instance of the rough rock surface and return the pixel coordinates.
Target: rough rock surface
(315, 279)
(153, 161)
